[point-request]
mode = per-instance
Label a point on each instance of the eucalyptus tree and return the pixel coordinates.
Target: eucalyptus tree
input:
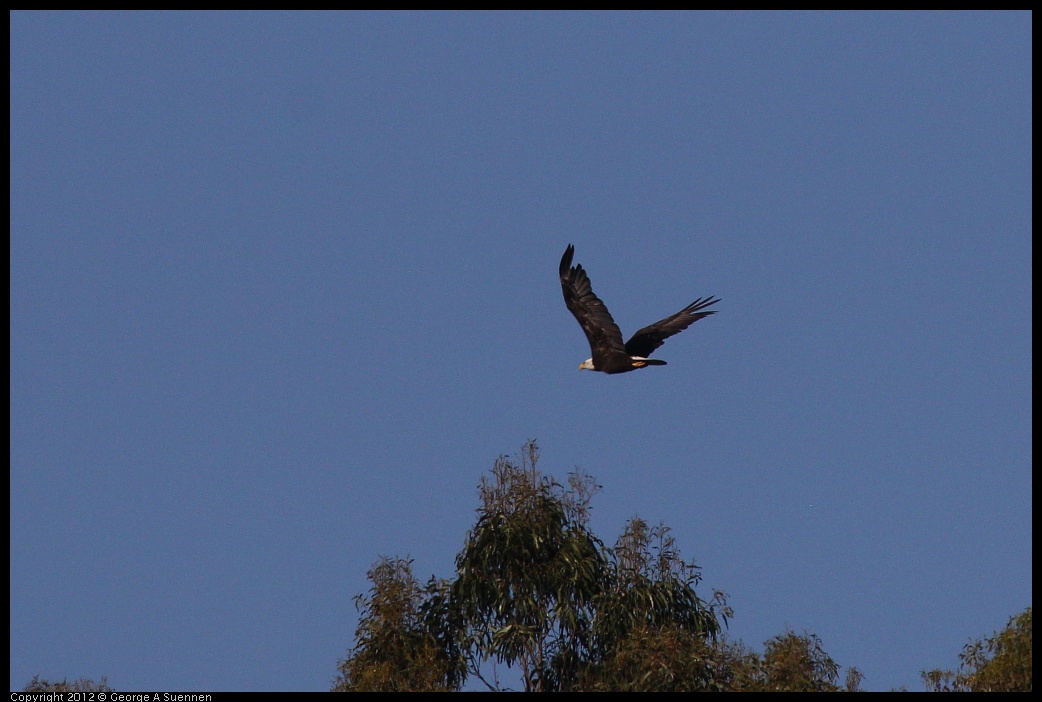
(537, 592)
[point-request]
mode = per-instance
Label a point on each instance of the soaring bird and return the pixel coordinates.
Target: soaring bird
(610, 355)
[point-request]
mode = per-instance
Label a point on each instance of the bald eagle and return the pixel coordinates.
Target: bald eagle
(610, 355)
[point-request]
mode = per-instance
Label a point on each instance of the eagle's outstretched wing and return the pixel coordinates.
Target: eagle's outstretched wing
(601, 331)
(646, 340)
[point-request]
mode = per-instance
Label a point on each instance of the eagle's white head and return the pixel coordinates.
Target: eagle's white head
(587, 365)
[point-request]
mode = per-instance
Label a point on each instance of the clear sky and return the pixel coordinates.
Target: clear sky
(284, 285)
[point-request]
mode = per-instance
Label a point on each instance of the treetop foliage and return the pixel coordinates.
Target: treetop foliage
(1000, 663)
(38, 684)
(536, 591)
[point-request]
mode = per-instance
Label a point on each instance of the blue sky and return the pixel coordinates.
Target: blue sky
(284, 285)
